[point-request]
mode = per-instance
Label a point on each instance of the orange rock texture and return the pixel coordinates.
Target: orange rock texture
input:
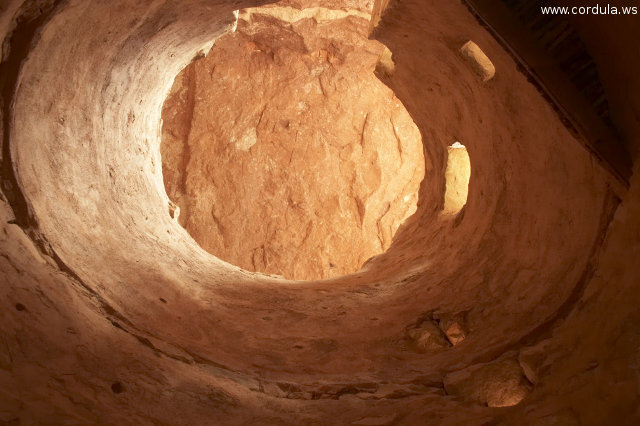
(283, 150)
(519, 307)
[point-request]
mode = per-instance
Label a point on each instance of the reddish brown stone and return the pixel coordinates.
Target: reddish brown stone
(285, 152)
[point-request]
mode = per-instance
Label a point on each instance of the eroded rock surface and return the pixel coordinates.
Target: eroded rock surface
(497, 384)
(285, 153)
(110, 314)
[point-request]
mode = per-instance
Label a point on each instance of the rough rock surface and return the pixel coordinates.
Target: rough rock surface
(285, 153)
(110, 313)
(497, 384)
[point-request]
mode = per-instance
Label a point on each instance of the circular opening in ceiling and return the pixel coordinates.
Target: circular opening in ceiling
(284, 152)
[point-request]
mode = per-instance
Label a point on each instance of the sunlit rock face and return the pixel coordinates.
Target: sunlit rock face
(283, 150)
(521, 308)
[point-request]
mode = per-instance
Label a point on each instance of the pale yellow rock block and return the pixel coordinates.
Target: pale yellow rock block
(480, 62)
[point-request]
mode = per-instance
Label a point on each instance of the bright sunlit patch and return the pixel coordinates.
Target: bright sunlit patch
(457, 178)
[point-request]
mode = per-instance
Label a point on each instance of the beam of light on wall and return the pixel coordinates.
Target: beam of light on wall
(457, 178)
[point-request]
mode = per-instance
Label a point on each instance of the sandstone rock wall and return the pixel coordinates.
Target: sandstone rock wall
(285, 153)
(112, 314)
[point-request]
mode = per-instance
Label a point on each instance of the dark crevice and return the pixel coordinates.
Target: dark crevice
(335, 391)
(117, 387)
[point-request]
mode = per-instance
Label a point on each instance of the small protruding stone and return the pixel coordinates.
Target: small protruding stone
(480, 62)
(453, 326)
(454, 332)
(499, 383)
(427, 337)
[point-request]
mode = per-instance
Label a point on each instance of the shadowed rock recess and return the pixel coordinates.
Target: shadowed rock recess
(147, 204)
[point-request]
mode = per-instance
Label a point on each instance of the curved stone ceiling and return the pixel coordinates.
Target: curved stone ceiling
(112, 313)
